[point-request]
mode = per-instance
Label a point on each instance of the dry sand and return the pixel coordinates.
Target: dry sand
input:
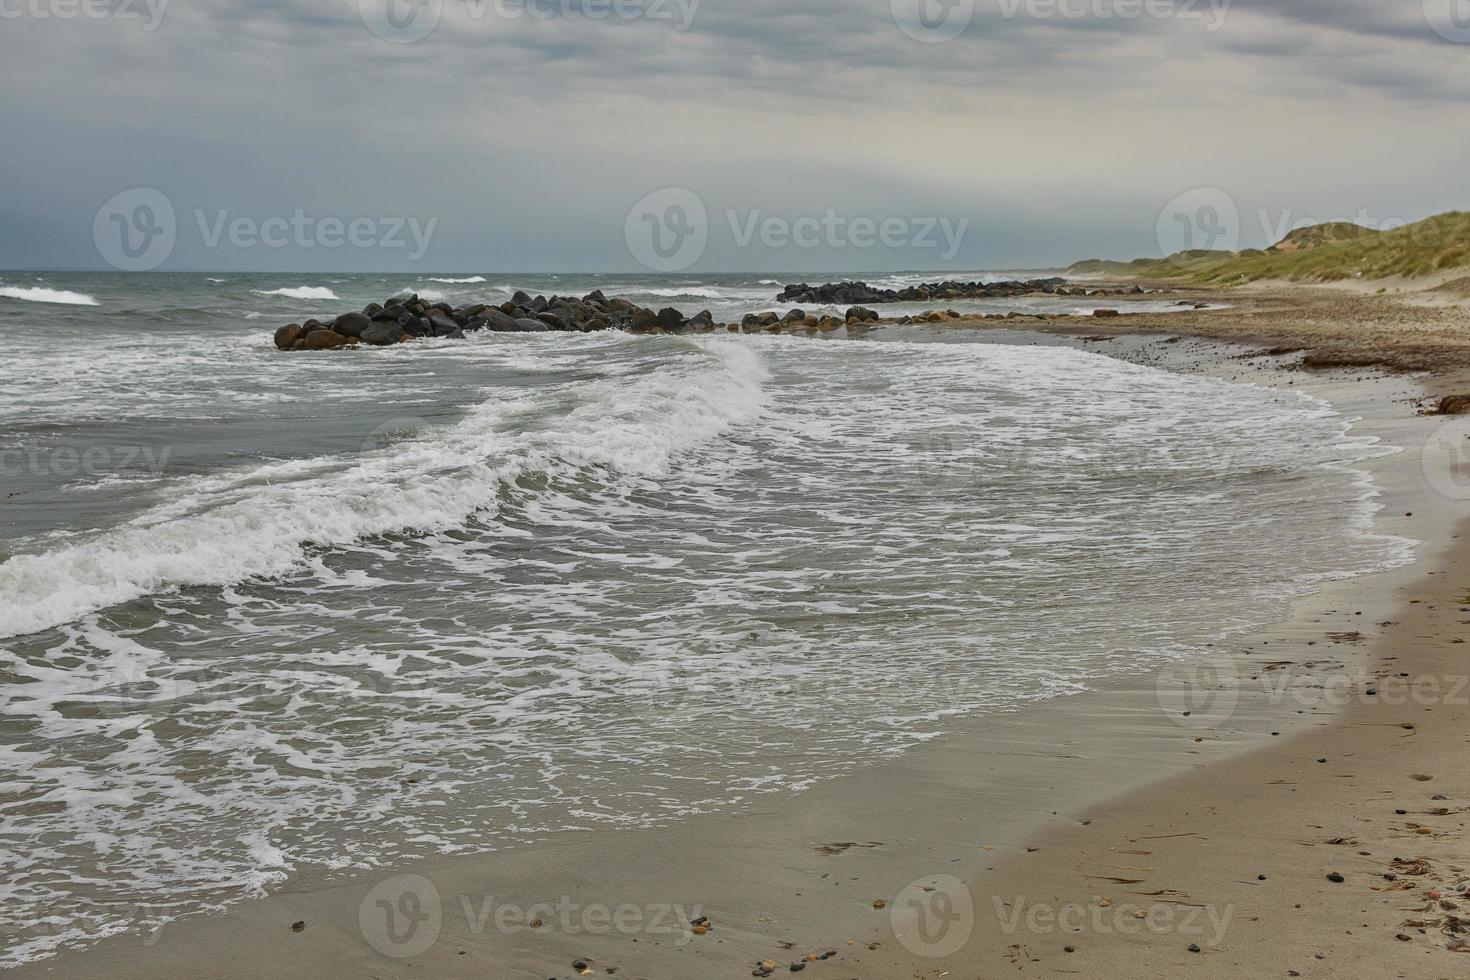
(999, 848)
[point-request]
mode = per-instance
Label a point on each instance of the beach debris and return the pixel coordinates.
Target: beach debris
(880, 904)
(298, 926)
(1451, 405)
(1336, 877)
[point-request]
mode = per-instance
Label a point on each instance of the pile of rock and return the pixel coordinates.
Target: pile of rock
(403, 318)
(861, 292)
(771, 322)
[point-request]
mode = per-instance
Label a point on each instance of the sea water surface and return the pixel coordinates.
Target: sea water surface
(265, 617)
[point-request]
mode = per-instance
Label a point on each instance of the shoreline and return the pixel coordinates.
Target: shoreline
(807, 869)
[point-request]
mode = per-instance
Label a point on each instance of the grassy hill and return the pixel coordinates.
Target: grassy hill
(1321, 253)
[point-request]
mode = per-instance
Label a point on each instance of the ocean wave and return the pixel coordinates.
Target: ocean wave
(707, 292)
(452, 281)
(299, 292)
(39, 294)
(263, 523)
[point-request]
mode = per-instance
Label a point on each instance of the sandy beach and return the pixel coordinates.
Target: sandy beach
(1293, 807)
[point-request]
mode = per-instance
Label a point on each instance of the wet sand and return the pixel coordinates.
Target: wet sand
(997, 848)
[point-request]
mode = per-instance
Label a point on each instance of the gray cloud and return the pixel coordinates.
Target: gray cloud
(528, 139)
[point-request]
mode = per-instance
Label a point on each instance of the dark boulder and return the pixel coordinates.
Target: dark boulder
(351, 324)
(441, 325)
(382, 333)
(416, 326)
(494, 320)
(325, 340)
(288, 335)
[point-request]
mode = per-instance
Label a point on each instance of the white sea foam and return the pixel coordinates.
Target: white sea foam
(261, 523)
(790, 554)
(39, 294)
(299, 292)
(452, 281)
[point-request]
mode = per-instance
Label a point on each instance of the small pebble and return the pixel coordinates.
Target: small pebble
(1335, 877)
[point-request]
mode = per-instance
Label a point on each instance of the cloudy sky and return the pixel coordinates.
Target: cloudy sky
(529, 135)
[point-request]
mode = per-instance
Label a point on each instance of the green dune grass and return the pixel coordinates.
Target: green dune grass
(1320, 253)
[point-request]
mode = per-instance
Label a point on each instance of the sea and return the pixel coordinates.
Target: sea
(270, 618)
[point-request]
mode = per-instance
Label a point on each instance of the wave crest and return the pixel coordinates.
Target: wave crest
(299, 292)
(233, 528)
(40, 294)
